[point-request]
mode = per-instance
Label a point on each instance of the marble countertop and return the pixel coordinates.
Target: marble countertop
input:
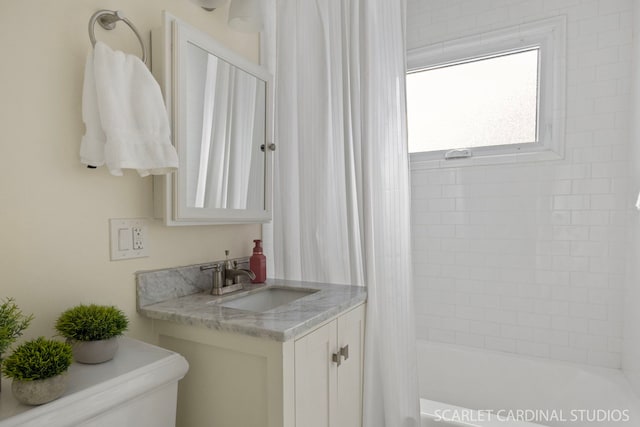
(283, 323)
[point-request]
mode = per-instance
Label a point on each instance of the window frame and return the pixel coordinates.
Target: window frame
(549, 36)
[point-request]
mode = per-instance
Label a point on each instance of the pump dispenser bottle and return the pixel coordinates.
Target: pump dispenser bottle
(258, 263)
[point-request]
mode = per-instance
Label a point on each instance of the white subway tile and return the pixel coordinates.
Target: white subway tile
(605, 327)
(551, 336)
(482, 327)
(534, 291)
(569, 354)
(588, 342)
(500, 344)
(589, 279)
(605, 358)
(456, 218)
(570, 324)
(591, 217)
(591, 186)
(455, 324)
(534, 320)
(504, 317)
(588, 311)
(589, 248)
(614, 345)
(516, 332)
(425, 191)
(471, 340)
(572, 202)
(570, 263)
(436, 309)
(570, 293)
(442, 335)
(552, 307)
(533, 349)
(606, 7)
(471, 313)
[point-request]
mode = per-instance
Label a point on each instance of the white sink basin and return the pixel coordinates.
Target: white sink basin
(266, 299)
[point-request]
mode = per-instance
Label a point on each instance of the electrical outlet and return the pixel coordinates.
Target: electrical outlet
(128, 239)
(138, 238)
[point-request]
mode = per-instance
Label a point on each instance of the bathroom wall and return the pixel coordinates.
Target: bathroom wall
(631, 343)
(529, 258)
(54, 243)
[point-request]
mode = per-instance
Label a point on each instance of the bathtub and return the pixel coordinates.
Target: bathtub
(467, 387)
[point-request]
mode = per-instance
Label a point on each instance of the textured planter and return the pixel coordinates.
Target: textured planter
(92, 352)
(38, 392)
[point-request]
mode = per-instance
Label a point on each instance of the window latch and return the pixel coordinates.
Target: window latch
(459, 153)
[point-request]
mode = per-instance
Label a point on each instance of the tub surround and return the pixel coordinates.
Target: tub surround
(181, 295)
(139, 381)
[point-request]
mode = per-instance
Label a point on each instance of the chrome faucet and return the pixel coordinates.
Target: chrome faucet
(232, 275)
(226, 276)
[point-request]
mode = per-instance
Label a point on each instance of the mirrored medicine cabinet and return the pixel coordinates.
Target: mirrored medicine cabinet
(220, 105)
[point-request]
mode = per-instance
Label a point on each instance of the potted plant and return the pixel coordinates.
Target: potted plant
(38, 369)
(92, 330)
(12, 323)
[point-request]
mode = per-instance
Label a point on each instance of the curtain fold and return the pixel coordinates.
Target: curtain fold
(229, 108)
(341, 178)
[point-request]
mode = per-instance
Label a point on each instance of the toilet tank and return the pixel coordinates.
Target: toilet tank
(138, 388)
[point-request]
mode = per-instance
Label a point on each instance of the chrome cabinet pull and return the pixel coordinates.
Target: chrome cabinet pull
(335, 358)
(344, 352)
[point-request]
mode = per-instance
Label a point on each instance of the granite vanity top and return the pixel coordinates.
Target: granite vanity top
(174, 301)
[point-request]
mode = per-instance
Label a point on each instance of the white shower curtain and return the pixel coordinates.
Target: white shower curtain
(341, 193)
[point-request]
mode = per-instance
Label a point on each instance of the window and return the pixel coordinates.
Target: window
(499, 93)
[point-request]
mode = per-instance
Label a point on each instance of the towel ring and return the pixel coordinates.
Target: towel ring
(107, 20)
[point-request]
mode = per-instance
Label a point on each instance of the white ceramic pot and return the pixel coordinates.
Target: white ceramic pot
(38, 392)
(92, 352)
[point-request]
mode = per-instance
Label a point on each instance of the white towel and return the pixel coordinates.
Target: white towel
(125, 117)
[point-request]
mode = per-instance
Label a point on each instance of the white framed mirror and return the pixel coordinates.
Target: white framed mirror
(221, 113)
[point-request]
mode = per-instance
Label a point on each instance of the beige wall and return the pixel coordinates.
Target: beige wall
(54, 250)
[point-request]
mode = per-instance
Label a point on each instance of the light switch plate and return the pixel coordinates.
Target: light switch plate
(128, 238)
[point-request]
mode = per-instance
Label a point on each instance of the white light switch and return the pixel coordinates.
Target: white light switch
(124, 239)
(128, 239)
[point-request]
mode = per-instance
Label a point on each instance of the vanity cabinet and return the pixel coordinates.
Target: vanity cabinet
(241, 380)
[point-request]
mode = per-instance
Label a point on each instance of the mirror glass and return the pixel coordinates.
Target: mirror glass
(225, 112)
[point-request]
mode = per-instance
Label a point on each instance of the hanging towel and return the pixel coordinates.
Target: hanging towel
(125, 117)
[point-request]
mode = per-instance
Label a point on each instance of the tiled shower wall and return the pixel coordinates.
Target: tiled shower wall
(530, 258)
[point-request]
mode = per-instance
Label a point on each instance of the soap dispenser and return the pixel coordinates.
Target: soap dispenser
(258, 263)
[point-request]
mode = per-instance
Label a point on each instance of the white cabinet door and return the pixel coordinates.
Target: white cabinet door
(351, 336)
(328, 393)
(315, 377)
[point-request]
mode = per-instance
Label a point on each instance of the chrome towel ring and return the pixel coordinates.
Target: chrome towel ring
(107, 20)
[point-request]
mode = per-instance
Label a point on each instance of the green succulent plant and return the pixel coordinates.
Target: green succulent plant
(12, 323)
(91, 322)
(38, 359)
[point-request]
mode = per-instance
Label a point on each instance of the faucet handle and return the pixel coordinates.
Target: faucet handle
(217, 279)
(227, 263)
(214, 267)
